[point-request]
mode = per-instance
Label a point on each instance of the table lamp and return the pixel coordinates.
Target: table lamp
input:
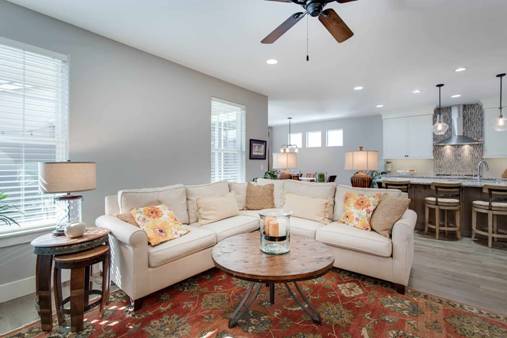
(285, 161)
(67, 177)
(362, 161)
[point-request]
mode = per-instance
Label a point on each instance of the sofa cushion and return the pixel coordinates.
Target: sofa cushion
(339, 198)
(173, 196)
(259, 197)
(278, 190)
(230, 226)
(347, 237)
(213, 209)
(195, 241)
(312, 208)
(239, 190)
(315, 190)
(304, 227)
(204, 190)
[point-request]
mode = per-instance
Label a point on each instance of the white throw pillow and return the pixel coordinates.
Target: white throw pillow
(315, 209)
(204, 190)
(278, 189)
(342, 189)
(239, 189)
(212, 209)
(173, 196)
(324, 191)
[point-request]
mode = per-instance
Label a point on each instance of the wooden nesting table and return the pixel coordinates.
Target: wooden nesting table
(46, 247)
(241, 257)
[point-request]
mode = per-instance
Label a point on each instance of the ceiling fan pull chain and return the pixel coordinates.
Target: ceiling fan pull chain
(307, 40)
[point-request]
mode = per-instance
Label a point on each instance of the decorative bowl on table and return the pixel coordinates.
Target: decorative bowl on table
(275, 232)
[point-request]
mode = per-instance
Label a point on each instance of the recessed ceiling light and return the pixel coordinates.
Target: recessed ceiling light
(460, 69)
(358, 88)
(455, 96)
(272, 61)
(380, 106)
(416, 91)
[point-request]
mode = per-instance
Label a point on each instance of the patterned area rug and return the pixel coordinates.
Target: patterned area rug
(350, 305)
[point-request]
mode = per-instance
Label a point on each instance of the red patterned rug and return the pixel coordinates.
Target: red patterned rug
(350, 305)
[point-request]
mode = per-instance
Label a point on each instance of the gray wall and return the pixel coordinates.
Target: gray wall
(143, 119)
(362, 131)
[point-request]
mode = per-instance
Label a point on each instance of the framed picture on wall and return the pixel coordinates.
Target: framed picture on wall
(258, 149)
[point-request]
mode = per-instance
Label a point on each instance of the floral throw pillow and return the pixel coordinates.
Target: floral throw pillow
(159, 223)
(358, 209)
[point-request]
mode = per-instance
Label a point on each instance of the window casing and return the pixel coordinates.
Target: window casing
(334, 138)
(227, 141)
(33, 128)
(296, 139)
(313, 139)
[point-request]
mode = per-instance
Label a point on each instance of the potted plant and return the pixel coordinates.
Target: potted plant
(6, 211)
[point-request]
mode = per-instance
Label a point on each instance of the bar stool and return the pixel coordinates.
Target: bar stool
(448, 197)
(493, 208)
(398, 184)
(80, 265)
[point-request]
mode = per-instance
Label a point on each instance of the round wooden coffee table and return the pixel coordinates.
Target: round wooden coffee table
(241, 257)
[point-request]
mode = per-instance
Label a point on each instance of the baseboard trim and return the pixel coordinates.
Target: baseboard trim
(16, 289)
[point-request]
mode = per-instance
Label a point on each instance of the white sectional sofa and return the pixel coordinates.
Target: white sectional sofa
(140, 269)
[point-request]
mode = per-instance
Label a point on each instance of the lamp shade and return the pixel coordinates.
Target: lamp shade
(64, 177)
(285, 160)
(361, 160)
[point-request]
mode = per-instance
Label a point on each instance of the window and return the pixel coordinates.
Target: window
(296, 139)
(33, 128)
(227, 141)
(334, 138)
(313, 139)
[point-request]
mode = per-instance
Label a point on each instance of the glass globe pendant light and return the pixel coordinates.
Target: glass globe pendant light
(501, 121)
(289, 148)
(440, 127)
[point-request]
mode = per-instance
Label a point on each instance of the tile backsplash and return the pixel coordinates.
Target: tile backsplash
(460, 160)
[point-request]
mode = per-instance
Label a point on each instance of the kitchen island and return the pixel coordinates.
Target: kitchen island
(420, 188)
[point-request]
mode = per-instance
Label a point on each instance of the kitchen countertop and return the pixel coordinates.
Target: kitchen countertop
(465, 181)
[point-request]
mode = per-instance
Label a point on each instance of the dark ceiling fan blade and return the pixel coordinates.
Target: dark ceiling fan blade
(335, 25)
(280, 0)
(283, 28)
(344, 1)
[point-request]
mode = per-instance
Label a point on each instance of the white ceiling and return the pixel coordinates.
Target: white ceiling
(399, 45)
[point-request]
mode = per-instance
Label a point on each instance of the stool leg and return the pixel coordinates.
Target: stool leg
(105, 283)
(458, 223)
(474, 223)
(495, 226)
(437, 222)
(77, 297)
(426, 218)
(490, 229)
(57, 288)
(446, 221)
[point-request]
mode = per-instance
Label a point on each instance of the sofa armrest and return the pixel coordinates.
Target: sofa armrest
(123, 231)
(403, 246)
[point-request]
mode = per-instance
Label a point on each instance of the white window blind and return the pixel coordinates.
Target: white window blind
(227, 141)
(33, 127)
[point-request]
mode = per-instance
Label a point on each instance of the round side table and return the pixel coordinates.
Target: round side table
(46, 247)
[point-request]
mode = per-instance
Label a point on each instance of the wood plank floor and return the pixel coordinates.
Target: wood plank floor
(463, 271)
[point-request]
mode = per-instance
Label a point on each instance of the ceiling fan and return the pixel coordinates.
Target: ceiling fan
(315, 8)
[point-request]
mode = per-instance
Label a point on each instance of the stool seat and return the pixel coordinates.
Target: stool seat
(496, 206)
(445, 202)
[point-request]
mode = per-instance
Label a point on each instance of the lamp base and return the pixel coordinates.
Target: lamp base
(68, 211)
(361, 180)
(284, 175)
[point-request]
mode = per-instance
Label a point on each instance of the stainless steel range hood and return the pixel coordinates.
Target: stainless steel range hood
(457, 138)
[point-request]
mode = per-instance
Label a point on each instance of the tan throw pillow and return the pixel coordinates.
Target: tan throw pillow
(260, 197)
(388, 212)
(212, 209)
(127, 218)
(315, 209)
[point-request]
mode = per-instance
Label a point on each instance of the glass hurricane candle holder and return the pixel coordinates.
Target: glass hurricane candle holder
(275, 232)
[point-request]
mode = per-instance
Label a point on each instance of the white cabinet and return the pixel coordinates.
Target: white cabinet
(409, 137)
(495, 143)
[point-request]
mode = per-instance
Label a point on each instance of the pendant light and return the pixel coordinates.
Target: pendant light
(289, 148)
(501, 121)
(440, 127)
